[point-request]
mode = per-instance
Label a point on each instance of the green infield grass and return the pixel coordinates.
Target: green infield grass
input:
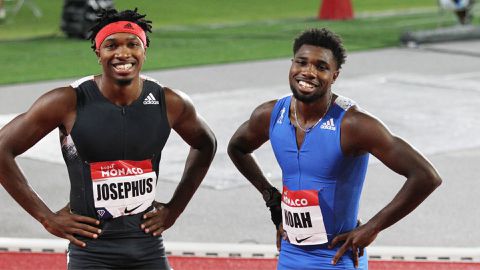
(189, 33)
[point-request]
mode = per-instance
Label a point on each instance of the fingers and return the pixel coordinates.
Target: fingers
(279, 240)
(75, 241)
(337, 239)
(150, 227)
(67, 229)
(65, 212)
(84, 219)
(150, 214)
(84, 233)
(85, 230)
(159, 231)
(285, 236)
(156, 230)
(148, 223)
(339, 253)
(357, 252)
(80, 226)
(355, 256)
(153, 225)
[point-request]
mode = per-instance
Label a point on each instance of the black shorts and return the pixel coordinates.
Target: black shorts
(119, 253)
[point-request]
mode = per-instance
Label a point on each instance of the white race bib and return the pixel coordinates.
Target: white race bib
(302, 217)
(122, 187)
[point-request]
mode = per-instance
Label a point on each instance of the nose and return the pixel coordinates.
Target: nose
(123, 52)
(309, 70)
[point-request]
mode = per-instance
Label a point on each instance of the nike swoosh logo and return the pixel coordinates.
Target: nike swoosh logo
(303, 239)
(128, 211)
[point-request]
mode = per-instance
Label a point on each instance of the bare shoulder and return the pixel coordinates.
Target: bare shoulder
(263, 112)
(356, 118)
(55, 108)
(179, 105)
(56, 102)
(258, 124)
(361, 131)
(59, 92)
(175, 95)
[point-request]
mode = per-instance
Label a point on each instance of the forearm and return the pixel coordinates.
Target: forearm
(247, 164)
(17, 186)
(415, 190)
(196, 167)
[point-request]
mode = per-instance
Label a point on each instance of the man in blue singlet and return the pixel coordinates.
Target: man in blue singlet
(322, 141)
(113, 127)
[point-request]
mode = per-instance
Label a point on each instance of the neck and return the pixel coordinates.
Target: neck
(311, 111)
(121, 93)
(309, 123)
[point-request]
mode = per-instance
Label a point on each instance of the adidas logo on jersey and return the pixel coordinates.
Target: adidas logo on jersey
(280, 118)
(150, 99)
(328, 125)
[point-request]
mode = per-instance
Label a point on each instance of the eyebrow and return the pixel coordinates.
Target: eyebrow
(306, 58)
(131, 37)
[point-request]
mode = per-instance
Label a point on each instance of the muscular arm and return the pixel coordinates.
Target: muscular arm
(47, 113)
(195, 132)
(249, 137)
(362, 133)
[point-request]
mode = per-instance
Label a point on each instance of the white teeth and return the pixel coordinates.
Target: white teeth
(305, 84)
(123, 67)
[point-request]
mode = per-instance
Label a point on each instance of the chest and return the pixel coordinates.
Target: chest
(103, 131)
(319, 154)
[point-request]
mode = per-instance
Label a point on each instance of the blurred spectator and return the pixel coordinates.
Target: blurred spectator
(462, 8)
(3, 12)
(79, 16)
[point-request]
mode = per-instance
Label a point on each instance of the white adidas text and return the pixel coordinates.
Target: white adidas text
(150, 99)
(329, 125)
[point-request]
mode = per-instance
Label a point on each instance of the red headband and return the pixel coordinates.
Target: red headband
(120, 27)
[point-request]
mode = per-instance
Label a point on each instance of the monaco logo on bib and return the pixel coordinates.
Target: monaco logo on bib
(122, 187)
(302, 217)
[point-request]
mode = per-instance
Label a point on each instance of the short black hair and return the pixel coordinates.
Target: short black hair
(107, 16)
(322, 38)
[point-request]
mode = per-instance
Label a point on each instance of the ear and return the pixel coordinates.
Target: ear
(97, 53)
(335, 75)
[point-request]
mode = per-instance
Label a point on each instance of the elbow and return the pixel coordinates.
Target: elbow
(212, 145)
(437, 181)
(434, 179)
(232, 149)
(206, 146)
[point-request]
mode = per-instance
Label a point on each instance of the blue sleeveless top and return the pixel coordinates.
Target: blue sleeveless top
(320, 165)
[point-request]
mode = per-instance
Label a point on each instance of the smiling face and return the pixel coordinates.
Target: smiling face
(312, 73)
(122, 56)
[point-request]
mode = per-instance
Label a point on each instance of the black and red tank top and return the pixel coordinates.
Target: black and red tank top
(113, 154)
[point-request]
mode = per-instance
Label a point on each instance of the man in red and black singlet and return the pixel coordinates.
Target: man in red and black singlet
(113, 127)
